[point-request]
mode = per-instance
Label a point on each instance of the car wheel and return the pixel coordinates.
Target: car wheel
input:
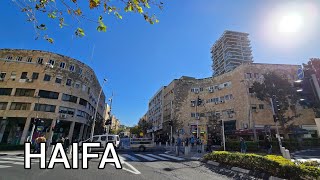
(142, 148)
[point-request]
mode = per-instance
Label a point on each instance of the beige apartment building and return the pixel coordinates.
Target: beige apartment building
(60, 91)
(227, 98)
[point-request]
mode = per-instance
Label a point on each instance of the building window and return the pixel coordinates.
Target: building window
(51, 62)
(62, 65)
(5, 91)
(29, 59)
(251, 90)
(71, 68)
(44, 107)
(9, 57)
(226, 97)
(48, 94)
(256, 75)
(253, 107)
(3, 105)
(24, 75)
(248, 76)
(24, 92)
(13, 75)
(65, 110)
(77, 85)
(69, 98)
(84, 87)
(20, 106)
(40, 60)
(69, 81)
(19, 58)
(83, 102)
(80, 70)
(3, 75)
(261, 106)
(47, 77)
(35, 75)
(58, 80)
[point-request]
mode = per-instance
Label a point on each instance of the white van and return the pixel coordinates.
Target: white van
(103, 140)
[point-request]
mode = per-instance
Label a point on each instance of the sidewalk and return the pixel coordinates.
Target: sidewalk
(192, 155)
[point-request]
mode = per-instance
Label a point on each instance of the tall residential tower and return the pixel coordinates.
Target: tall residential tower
(231, 50)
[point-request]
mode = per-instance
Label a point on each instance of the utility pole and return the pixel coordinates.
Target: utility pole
(223, 135)
(95, 114)
(171, 123)
(110, 115)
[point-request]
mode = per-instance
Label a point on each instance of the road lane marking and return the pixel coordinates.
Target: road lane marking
(172, 157)
(145, 157)
(3, 166)
(130, 157)
(158, 157)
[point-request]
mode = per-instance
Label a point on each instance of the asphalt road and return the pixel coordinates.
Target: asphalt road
(147, 165)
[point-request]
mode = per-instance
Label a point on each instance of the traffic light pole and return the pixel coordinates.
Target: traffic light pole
(35, 120)
(277, 128)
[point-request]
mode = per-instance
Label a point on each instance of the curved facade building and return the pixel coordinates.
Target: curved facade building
(60, 91)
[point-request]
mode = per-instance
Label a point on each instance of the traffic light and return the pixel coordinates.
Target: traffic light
(170, 123)
(276, 108)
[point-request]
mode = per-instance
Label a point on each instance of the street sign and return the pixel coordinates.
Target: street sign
(300, 73)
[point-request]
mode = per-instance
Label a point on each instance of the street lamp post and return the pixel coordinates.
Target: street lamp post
(95, 114)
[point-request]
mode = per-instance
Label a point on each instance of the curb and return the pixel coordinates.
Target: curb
(237, 169)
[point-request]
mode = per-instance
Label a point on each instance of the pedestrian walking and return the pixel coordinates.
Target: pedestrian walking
(268, 145)
(178, 144)
(66, 144)
(243, 145)
(39, 140)
(192, 141)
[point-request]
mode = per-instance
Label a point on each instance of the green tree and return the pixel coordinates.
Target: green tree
(308, 93)
(144, 125)
(135, 130)
(281, 88)
(74, 13)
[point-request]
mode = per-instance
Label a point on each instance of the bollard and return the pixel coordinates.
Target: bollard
(202, 148)
(186, 150)
(166, 144)
(282, 151)
(287, 154)
(160, 144)
(177, 150)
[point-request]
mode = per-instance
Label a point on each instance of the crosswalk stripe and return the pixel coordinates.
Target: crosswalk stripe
(130, 157)
(145, 157)
(14, 159)
(172, 157)
(3, 166)
(158, 157)
(13, 162)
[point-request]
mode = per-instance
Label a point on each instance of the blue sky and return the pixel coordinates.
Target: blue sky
(138, 58)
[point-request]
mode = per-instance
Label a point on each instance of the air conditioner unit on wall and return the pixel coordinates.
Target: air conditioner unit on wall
(211, 90)
(63, 116)
(197, 92)
(216, 102)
